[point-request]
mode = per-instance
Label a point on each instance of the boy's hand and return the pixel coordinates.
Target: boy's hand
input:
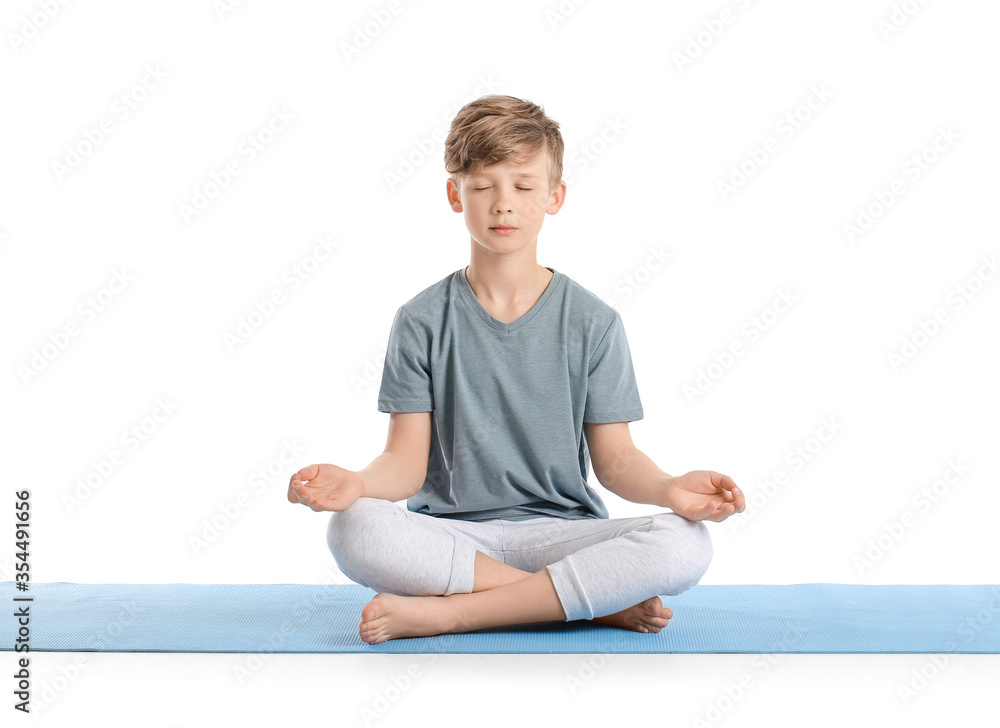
(704, 495)
(325, 487)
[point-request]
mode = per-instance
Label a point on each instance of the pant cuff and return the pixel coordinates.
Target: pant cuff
(569, 589)
(463, 568)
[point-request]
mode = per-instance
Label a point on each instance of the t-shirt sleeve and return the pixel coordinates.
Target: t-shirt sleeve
(406, 374)
(612, 392)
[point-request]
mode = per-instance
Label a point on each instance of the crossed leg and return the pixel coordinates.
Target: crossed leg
(501, 595)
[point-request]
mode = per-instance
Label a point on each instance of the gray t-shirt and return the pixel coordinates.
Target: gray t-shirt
(509, 399)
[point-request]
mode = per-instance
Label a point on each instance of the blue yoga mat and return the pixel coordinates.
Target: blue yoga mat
(749, 618)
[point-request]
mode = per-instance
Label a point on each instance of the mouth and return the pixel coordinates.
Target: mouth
(503, 228)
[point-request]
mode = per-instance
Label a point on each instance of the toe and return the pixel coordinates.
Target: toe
(373, 609)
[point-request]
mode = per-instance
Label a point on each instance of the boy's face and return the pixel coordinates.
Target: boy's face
(507, 194)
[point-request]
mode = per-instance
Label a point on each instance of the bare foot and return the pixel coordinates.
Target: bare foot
(647, 616)
(388, 615)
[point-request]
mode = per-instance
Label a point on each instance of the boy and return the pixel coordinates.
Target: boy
(504, 380)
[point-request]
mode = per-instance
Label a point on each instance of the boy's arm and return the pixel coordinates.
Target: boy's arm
(629, 473)
(399, 472)
(623, 468)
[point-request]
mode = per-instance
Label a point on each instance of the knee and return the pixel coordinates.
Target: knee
(701, 546)
(349, 532)
(691, 552)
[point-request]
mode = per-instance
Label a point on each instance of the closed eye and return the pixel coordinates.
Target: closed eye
(480, 189)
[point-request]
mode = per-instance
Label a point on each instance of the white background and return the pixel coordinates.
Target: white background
(650, 139)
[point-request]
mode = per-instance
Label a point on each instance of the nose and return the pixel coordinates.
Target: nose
(502, 203)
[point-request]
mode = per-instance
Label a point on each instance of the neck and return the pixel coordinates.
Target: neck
(506, 278)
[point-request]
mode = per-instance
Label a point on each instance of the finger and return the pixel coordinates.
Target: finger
(321, 505)
(710, 484)
(719, 512)
(302, 495)
(739, 501)
(730, 487)
(702, 512)
(721, 481)
(307, 473)
(308, 496)
(723, 512)
(292, 497)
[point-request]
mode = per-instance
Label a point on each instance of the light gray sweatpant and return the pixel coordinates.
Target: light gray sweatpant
(598, 566)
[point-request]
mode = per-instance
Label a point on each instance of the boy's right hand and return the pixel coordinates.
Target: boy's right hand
(325, 487)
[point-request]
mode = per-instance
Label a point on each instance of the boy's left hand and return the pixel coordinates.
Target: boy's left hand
(704, 495)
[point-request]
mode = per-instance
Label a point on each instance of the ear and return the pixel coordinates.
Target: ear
(557, 198)
(453, 197)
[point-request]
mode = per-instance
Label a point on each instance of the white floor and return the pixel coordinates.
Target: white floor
(173, 690)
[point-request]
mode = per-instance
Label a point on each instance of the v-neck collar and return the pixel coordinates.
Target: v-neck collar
(496, 323)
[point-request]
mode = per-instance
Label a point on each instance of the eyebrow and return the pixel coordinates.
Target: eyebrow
(521, 175)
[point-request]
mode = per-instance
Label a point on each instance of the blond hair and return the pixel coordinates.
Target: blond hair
(496, 128)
